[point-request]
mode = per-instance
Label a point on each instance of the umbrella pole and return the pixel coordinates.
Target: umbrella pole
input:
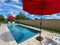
(40, 29)
(39, 38)
(40, 25)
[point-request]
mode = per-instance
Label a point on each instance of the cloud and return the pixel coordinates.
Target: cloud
(16, 6)
(26, 13)
(32, 15)
(54, 16)
(10, 12)
(33, 18)
(2, 1)
(1, 9)
(19, 7)
(16, 1)
(13, 12)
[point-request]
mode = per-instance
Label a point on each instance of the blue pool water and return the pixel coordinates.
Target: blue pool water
(21, 33)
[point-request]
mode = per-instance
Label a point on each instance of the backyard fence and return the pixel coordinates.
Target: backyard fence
(50, 24)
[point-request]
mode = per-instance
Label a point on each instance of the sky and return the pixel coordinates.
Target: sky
(16, 6)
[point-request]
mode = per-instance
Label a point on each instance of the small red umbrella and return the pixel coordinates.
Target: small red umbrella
(41, 7)
(11, 17)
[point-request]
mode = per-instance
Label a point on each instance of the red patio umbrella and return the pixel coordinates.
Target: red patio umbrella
(41, 7)
(11, 17)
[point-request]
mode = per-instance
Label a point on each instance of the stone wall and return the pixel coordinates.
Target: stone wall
(51, 24)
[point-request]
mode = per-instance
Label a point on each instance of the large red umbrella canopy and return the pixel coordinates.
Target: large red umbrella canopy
(41, 7)
(11, 17)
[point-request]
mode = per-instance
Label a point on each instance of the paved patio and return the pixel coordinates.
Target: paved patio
(5, 36)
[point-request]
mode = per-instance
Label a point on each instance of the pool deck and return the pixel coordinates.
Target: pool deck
(7, 39)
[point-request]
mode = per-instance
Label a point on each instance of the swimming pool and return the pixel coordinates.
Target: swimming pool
(21, 33)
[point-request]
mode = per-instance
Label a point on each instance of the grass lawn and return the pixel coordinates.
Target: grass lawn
(3, 22)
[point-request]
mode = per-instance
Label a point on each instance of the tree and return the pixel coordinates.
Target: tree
(36, 18)
(21, 16)
(2, 18)
(28, 18)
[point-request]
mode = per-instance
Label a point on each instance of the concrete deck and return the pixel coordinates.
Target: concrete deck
(7, 39)
(5, 36)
